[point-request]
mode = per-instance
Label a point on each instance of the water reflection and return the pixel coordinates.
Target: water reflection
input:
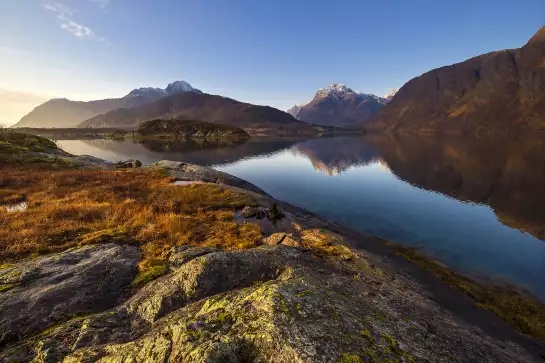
(506, 174)
(203, 151)
(463, 199)
(332, 156)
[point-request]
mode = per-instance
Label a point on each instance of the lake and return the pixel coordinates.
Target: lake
(476, 204)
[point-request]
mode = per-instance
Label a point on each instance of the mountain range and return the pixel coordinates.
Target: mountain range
(497, 92)
(256, 120)
(61, 112)
(338, 105)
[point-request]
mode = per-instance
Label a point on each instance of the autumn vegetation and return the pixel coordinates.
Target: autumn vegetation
(72, 208)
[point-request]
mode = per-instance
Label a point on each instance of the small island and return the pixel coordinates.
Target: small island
(180, 129)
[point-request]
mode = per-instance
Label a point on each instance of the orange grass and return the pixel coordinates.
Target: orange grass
(71, 208)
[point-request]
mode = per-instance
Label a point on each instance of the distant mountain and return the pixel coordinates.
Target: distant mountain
(257, 120)
(338, 105)
(62, 112)
(294, 111)
(498, 92)
(391, 94)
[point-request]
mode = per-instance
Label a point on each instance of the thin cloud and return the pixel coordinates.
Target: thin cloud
(60, 9)
(64, 15)
(101, 3)
(79, 30)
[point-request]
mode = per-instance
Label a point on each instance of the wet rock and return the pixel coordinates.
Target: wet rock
(55, 288)
(128, 164)
(255, 212)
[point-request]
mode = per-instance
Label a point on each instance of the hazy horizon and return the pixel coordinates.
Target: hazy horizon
(275, 54)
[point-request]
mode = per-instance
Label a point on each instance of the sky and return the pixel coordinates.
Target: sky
(276, 52)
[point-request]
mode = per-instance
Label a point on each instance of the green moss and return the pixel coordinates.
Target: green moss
(6, 287)
(283, 304)
(367, 335)
(370, 355)
(350, 358)
(149, 274)
(303, 293)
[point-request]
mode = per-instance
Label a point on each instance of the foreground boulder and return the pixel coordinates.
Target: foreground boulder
(37, 294)
(270, 304)
(186, 171)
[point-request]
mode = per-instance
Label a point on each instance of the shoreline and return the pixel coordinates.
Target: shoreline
(370, 268)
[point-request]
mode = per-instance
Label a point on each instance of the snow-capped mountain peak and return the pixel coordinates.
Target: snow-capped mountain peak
(156, 93)
(179, 86)
(146, 91)
(391, 94)
(334, 89)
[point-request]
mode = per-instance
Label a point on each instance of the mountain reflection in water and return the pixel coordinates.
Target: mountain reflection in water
(466, 200)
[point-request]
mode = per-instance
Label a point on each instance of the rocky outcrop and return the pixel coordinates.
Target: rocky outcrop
(186, 171)
(37, 294)
(271, 303)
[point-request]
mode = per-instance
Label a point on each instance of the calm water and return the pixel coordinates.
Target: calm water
(475, 204)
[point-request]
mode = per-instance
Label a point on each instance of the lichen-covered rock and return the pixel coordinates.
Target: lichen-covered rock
(271, 304)
(183, 254)
(53, 289)
(206, 276)
(307, 313)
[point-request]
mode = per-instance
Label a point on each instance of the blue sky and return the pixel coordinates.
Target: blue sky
(265, 52)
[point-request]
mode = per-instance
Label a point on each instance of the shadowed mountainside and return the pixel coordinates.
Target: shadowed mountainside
(62, 112)
(256, 120)
(498, 92)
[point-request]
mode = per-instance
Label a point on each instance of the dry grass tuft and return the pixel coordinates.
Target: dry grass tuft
(70, 208)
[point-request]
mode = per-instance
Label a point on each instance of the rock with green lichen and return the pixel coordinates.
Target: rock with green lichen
(269, 304)
(53, 289)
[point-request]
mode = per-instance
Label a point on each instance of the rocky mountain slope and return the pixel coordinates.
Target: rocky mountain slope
(62, 112)
(498, 92)
(338, 105)
(257, 120)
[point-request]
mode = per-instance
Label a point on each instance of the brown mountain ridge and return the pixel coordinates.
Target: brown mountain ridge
(256, 120)
(497, 92)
